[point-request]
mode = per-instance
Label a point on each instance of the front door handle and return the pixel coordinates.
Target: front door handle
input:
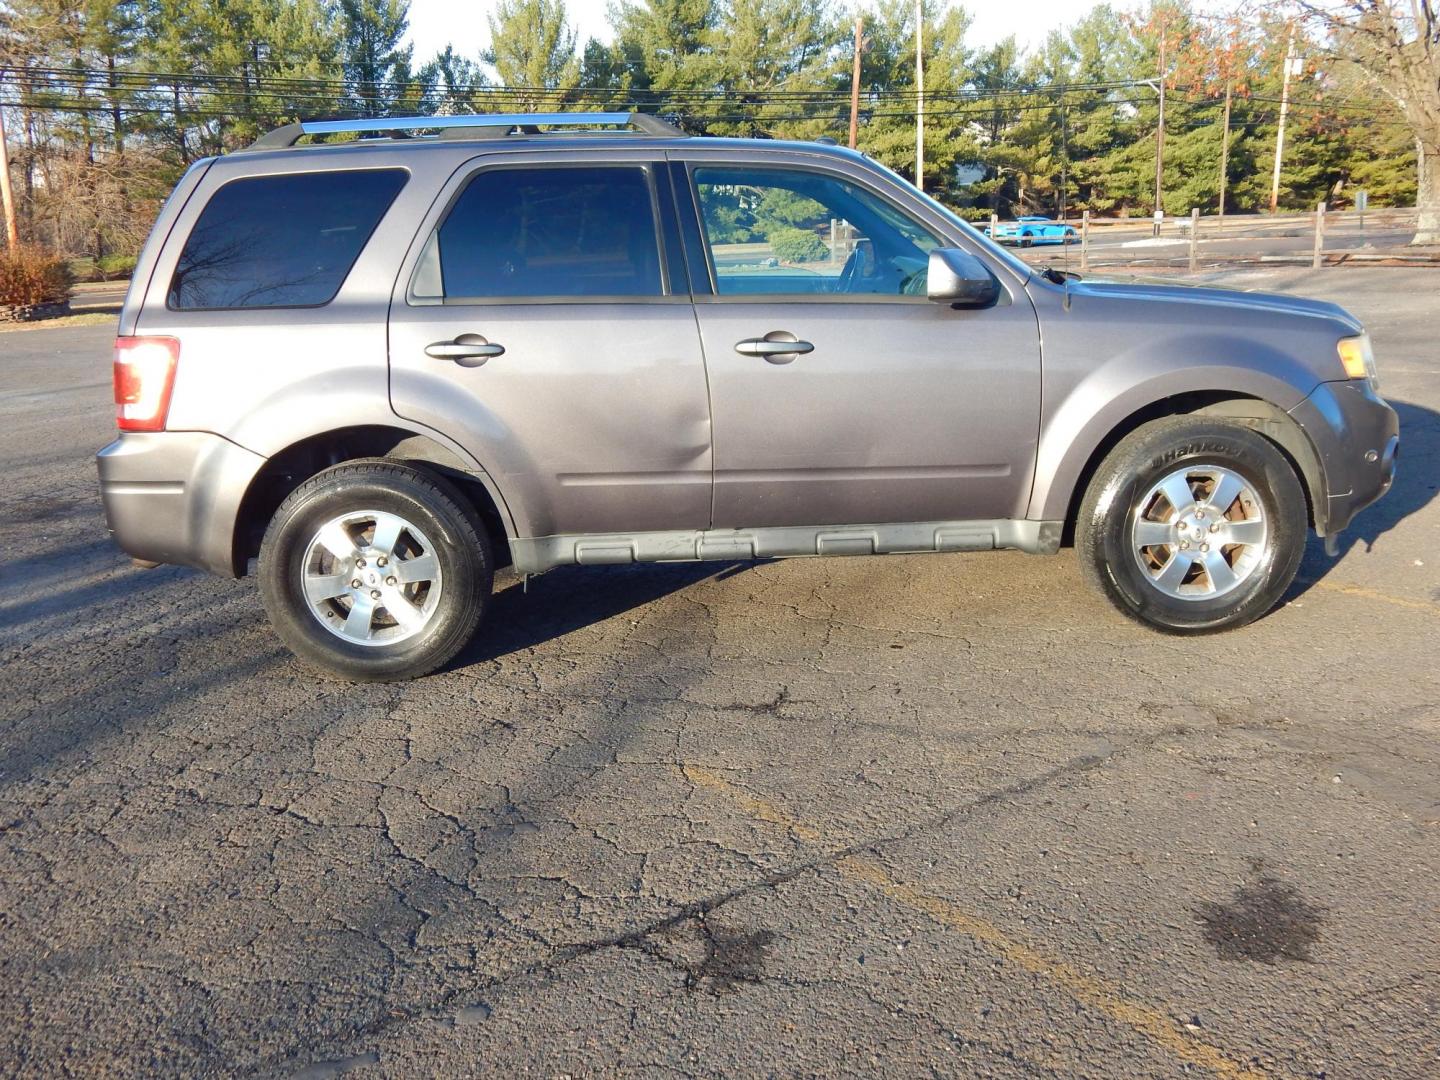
(467, 350)
(778, 347)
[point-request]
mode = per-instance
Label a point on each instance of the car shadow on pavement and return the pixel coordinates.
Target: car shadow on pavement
(68, 581)
(571, 598)
(133, 682)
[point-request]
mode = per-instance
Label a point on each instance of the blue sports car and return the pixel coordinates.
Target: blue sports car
(1033, 230)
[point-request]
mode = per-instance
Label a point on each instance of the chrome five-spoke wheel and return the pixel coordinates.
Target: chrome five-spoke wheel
(371, 577)
(1199, 532)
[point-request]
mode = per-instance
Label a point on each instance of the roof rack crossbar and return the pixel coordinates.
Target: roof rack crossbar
(290, 134)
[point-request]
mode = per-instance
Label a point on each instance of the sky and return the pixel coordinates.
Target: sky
(437, 23)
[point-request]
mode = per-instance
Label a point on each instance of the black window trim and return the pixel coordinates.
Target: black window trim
(345, 277)
(809, 165)
(678, 276)
(647, 167)
(692, 232)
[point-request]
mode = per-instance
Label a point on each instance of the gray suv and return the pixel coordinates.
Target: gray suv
(382, 365)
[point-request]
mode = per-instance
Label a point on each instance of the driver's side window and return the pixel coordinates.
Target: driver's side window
(793, 232)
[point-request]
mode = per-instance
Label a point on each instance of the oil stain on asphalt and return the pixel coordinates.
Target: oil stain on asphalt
(1266, 921)
(716, 958)
(734, 957)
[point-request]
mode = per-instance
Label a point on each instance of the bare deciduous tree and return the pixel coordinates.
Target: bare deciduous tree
(1397, 45)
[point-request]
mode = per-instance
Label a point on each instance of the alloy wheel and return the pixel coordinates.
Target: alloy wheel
(371, 577)
(1199, 533)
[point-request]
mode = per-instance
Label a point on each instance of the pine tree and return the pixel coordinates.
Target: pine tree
(665, 46)
(763, 48)
(532, 46)
(376, 65)
(447, 83)
(888, 64)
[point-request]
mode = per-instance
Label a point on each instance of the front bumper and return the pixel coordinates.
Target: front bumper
(1356, 436)
(174, 496)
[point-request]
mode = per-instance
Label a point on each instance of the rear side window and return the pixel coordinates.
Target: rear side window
(281, 241)
(543, 232)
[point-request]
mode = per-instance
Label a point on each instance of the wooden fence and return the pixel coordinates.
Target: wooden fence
(1208, 240)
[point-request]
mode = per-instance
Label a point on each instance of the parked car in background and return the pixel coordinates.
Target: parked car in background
(373, 371)
(1032, 229)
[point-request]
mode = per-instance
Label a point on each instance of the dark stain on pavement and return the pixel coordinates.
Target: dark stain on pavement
(1266, 921)
(327, 1070)
(717, 958)
(732, 957)
(770, 708)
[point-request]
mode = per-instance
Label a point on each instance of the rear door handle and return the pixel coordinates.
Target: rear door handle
(778, 347)
(467, 350)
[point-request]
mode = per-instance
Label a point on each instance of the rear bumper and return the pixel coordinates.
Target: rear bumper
(1357, 437)
(174, 496)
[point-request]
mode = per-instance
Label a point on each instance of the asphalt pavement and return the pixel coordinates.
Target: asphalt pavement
(925, 815)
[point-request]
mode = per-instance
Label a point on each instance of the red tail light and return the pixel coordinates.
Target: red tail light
(144, 377)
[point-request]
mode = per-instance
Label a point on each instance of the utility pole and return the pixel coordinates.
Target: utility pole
(1160, 127)
(12, 231)
(1280, 131)
(1064, 155)
(855, 80)
(919, 95)
(1225, 144)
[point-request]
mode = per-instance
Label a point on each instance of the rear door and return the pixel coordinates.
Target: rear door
(544, 323)
(891, 408)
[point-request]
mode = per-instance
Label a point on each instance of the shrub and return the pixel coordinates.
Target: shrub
(116, 266)
(30, 276)
(797, 245)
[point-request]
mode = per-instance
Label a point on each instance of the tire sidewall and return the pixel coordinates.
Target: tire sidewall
(463, 563)
(1263, 470)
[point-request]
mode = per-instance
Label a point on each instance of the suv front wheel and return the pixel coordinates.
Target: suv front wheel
(1192, 525)
(375, 570)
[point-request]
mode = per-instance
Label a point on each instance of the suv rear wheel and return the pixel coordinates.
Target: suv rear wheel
(375, 570)
(1192, 525)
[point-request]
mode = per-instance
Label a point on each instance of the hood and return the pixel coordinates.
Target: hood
(1169, 291)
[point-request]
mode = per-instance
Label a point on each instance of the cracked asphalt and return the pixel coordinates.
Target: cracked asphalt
(912, 815)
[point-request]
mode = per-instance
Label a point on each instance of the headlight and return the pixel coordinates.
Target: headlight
(1358, 358)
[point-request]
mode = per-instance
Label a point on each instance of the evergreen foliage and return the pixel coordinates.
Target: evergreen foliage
(108, 100)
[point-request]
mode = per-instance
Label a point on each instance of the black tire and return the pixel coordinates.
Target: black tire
(1109, 560)
(431, 504)
(1025, 240)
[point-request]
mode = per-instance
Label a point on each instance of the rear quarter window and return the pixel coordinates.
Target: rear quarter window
(548, 231)
(281, 241)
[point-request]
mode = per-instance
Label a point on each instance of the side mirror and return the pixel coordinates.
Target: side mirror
(956, 277)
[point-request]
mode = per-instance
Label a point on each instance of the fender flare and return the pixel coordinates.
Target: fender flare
(1251, 400)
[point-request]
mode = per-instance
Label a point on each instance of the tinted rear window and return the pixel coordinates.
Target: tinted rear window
(561, 231)
(281, 241)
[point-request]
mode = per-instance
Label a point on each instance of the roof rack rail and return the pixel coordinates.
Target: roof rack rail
(493, 123)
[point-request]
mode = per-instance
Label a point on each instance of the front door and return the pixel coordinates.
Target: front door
(890, 408)
(545, 327)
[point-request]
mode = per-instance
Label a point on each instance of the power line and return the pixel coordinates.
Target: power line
(105, 80)
(47, 87)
